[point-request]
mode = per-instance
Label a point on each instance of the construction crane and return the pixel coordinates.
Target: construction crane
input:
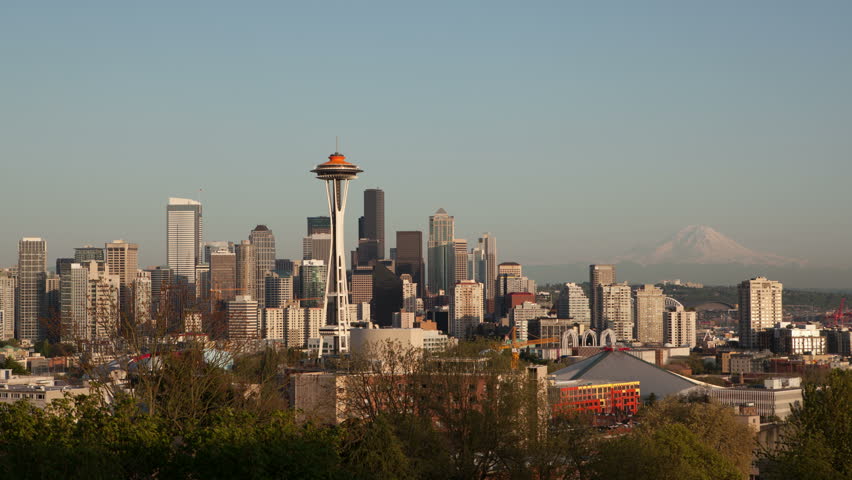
(516, 346)
(838, 318)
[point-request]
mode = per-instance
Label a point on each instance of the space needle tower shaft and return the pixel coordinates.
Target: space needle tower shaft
(336, 173)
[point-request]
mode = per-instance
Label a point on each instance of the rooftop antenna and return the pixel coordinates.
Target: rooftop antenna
(199, 194)
(337, 144)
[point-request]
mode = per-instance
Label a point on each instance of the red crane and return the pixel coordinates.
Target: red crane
(839, 316)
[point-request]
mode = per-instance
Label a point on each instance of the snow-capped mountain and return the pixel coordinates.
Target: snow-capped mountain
(700, 244)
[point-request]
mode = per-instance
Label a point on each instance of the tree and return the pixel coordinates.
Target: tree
(373, 450)
(562, 452)
(16, 367)
(670, 452)
(713, 424)
(816, 443)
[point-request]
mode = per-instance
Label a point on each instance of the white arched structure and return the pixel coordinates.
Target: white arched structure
(672, 304)
(608, 337)
(590, 338)
(569, 339)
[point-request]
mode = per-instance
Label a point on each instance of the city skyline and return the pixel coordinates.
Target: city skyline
(810, 275)
(593, 240)
(579, 92)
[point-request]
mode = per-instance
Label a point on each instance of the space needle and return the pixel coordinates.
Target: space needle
(334, 335)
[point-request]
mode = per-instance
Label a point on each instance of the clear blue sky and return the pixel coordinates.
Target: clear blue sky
(570, 130)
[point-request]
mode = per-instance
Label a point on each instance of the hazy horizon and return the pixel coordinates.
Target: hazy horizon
(572, 132)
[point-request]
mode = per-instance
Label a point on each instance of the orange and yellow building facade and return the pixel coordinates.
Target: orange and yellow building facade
(596, 397)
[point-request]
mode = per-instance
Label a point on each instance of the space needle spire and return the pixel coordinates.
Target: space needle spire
(336, 173)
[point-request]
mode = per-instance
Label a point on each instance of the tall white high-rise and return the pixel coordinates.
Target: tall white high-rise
(273, 323)
(336, 173)
(574, 304)
(142, 297)
(409, 294)
(650, 305)
(32, 276)
(243, 319)
(7, 305)
(760, 308)
(599, 275)
(74, 304)
(184, 248)
(466, 308)
(679, 327)
(123, 260)
(617, 309)
(90, 305)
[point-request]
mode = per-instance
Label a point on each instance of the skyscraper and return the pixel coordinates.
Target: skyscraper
(7, 305)
(387, 295)
(88, 252)
(243, 319)
(246, 268)
(488, 269)
(183, 237)
(285, 267)
(362, 284)
(32, 273)
(510, 268)
(319, 225)
(509, 282)
(312, 276)
(223, 276)
(466, 309)
(574, 304)
(264, 248)
(317, 247)
(440, 251)
(599, 275)
(336, 173)
(374, 218)
(409, 294)
(460, 272)
(209, 247)
(279, 290)
(90, 306)
(367, 252)
(161, 279)
(103, 301)
(679, 327)
(123, 260)
(617, 309)
(760, 308)
(650, 306)
(409, 256)
(74, 303)
(142, 308)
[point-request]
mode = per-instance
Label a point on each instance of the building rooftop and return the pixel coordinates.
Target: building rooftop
(182, 201)
(621, 366)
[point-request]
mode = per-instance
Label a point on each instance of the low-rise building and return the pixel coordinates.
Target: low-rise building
(775, 398)
(37, 390)
(838, 342)
(798, 340)
(747, 362)
(598, 396)
(362, 339)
